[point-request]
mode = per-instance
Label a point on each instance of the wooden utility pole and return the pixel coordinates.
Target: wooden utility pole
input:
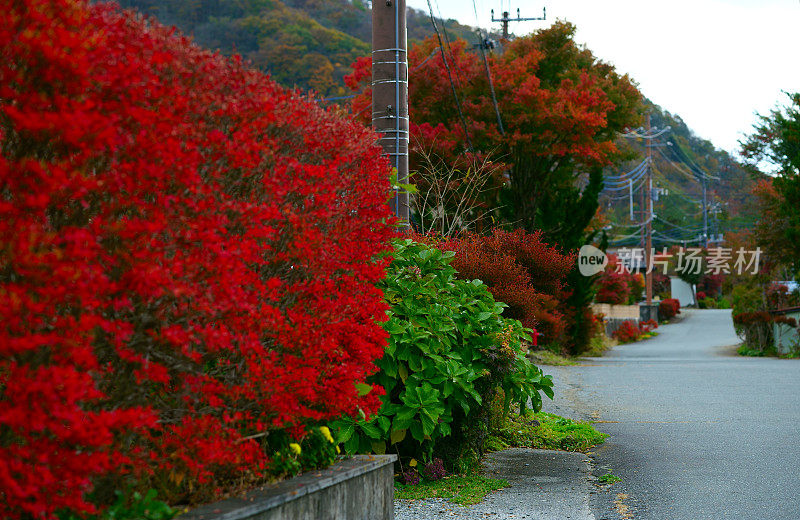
(390, 90)
(648, 247)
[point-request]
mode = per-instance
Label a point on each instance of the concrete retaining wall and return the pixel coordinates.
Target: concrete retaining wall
(359, 488)
(616, 312)
(615, 315)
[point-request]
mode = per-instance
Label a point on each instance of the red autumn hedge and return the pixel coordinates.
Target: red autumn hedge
(520, 270)
(187, 259)
(669, 308)
(630, 331)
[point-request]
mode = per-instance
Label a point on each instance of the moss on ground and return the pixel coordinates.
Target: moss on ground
(544, 431)
(460, 489)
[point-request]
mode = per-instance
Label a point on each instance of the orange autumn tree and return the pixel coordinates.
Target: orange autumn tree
(560, 108)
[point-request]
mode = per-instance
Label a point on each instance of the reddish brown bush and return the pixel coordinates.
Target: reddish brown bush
(614, 284)
(521, 271)
(627, 332)
(669, 308)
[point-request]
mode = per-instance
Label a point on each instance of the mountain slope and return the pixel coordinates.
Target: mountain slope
(308, 44)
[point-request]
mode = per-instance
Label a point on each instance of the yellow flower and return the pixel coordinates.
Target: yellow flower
(413, 463)
(295, 448)
(326, 433)
(338, 451)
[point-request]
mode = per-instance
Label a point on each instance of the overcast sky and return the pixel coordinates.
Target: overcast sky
(713, 62)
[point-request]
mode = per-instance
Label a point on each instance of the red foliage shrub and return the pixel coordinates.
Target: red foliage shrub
(779, 297)
(627, 332)
(187, 257)
(711, 284)
(521, 271)
(701, 295)
(755, 328)
(669, 308)
(785, 320)
(613, 284)
(749, 318)
(648, 326)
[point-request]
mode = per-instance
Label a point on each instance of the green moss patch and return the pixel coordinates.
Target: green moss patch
(544, 431)
(460, 489)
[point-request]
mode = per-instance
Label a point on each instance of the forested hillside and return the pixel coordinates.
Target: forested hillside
(309, 44)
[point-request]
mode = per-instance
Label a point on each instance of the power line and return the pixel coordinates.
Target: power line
(625, 184)
(423, 62)
(623, 176)
(626, 196)
(459, 82)
(450, 77)
(691, 174)
(481, 44)
(691, 230)
(635, 135)
(690, 163)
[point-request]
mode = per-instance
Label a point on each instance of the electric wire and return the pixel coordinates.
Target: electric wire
(638, 187)
(691, 230)
(689, 173)
(624, 185)
(624, 175)
(481, 44)
(450, 78)
(690, 163)
(636, 135)
(449, 48)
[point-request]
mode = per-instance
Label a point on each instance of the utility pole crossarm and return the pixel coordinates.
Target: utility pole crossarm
(506, 19)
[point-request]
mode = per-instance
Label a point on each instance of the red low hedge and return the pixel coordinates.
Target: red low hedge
(669, 308)
(520, 270)
(187, 259)
(629, 331)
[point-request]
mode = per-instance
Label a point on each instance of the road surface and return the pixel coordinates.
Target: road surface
(696, 432)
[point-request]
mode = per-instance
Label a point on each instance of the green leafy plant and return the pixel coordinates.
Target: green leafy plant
(129, 506)
(449, 350)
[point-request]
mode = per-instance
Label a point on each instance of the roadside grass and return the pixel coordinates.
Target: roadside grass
(608, 478)
(544, 431)
(548, 357)
(460, 489)
(598, 345)
(745, 350)
(533, 430)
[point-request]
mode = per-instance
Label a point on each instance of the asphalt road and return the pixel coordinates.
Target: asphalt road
(696, 432)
